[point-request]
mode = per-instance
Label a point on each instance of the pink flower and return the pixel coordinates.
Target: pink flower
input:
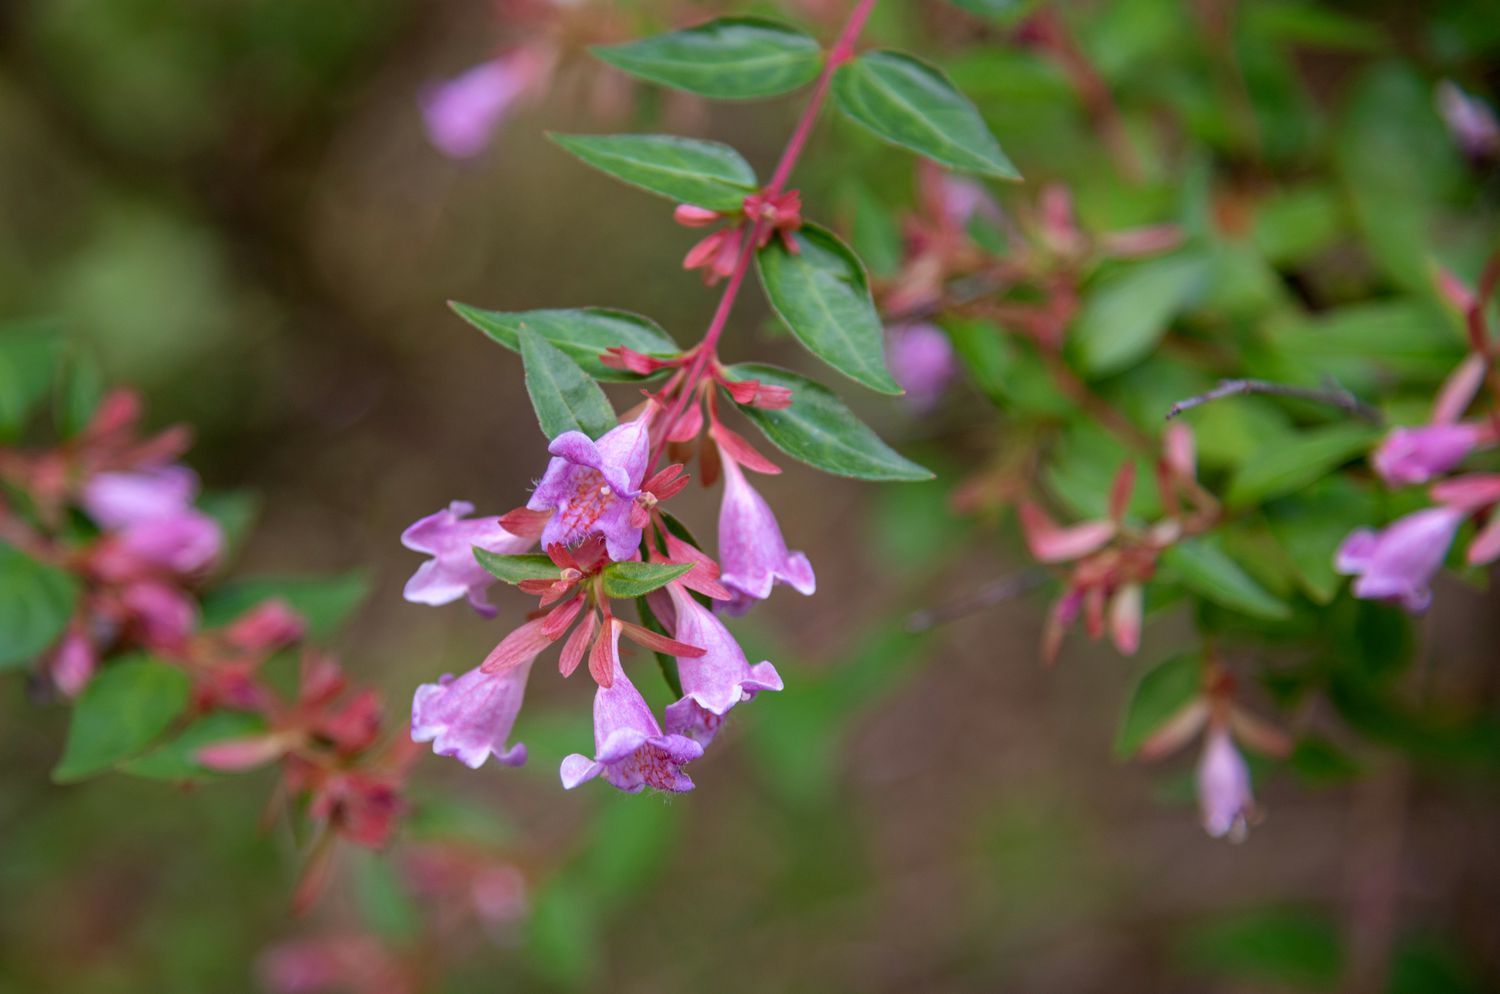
(629, 747)
(591, 487)
(453, 572)
(73, 661)
(1398, 563)
(463, 113)
(1416, 455)
(715, 681)
(751, 550)
(921, 359)
(164, 614)
(1470, 121)
(152, 514)
(1224, 787)
(471, 717)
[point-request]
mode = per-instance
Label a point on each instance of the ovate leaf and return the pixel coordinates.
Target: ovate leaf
(123, 708)
(626, 580)
(1161, 692)
(583, 335)
(1204, 568)
(563, 396)
(732, 58)
(708, 174)
(1285, 467)
(1125, 316)
(514, 569)
(324, 602)
(36, 601)
(177, 759)
(30, 355)
(819, 430)
(911, 104)
(822, 294)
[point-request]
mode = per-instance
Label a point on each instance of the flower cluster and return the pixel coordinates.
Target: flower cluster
(109, 518)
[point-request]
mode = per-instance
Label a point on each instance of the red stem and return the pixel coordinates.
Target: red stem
(706, 351)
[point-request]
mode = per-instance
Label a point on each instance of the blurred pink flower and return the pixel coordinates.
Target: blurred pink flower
(922, 361)
(463, 113)
(1398, 564)
(1224, 796)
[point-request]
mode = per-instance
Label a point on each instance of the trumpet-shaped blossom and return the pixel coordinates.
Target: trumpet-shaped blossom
(152, 514)
(463, 113)
(752, 552)
(921, 359)
(591, 487)
(471, 718)
(715, 681)
(1416, 455)
(450, 538)
(1398, 564)
(630, 749)
(1224, 797)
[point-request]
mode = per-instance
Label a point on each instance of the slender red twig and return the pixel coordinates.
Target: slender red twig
(706, 350)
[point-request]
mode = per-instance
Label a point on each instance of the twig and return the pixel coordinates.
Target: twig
(987, 595)
(1332, 395)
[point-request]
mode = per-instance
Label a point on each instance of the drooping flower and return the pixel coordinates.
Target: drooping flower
(1416, 455)
(1398, 564)
(463, 113)
(716, 681)
(922, 361)
(1224, 797)
(470, 718)
(73, 661)
(453, 572)
(591, 487)
(751, 550)
(151, 514)
(630, 749)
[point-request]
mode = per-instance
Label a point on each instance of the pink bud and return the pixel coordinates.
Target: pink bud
(1051, 543)
(1125, 618)
(690, 216)
(234, 755)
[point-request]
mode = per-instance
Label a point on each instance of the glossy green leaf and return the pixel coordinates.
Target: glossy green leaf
(177, 759)
(1286, 466)
(125, 706)
(1204, 568)
(822, 294)
(514, 569)
(563, 395)
(912, 104)
(36, 602)
(324, 602)
(819, 430)
(1162, 691)
(732, 58)
(627, 580)
(708, 174)
(1125, 316)
(583, 334)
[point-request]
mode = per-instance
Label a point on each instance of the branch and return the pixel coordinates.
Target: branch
(1332, 395)
(987, 595)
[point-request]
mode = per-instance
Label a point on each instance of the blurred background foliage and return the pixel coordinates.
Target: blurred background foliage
(234, 206)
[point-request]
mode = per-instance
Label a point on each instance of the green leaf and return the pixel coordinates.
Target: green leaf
(1311, 524)
(1161, 692)
(235, 512)
(911, 104)
(732, 58)
(668, 664)
(30, 355)
(514, 569)
(1124, 317)
(822, 294)
(1204, 568)
(583, 334)
(124, 707)
(819, 430)
(1287, 466)
(1268, 949)
(708, 174)
(627, 580)
(563, 396)
(324, 602)
(36, 602)
(177, 759)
